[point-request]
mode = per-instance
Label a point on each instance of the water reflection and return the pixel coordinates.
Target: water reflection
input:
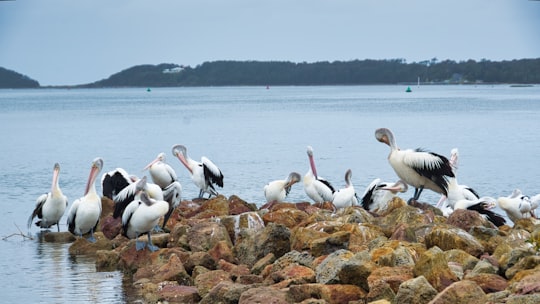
(63, 278)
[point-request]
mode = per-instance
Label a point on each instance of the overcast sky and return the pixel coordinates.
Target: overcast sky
(66, 42)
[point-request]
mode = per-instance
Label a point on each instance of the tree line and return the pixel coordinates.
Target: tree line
(272, 73)
(356, 72)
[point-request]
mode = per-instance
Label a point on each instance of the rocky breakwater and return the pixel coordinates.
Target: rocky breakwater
(229, 251)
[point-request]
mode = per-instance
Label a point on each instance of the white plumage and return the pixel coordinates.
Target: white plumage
(50, 207)
(378, 194)
(345, 197)
(316, 187)
(417, 168)
(141, 216)
(204, 174)
(516, 205)
(83, 216)
(162, 173)
(277, 191)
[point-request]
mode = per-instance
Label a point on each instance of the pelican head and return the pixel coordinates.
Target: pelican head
(178, 150)
(310, 151)
(399, 186)
(160, 157)
(386, 136)
(293, 178)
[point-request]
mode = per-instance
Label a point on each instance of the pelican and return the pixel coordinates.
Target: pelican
(378, 194)
(417, 168)
(535, 202)
(83, 216)
(345, 197)
(516, 205)
(162, 174)
(141, 216)
(277, 190)
(483, 206)
(316, 187)
(456, 192)
(115, 181)
(50, 207)
(205, 174)
(127, 194)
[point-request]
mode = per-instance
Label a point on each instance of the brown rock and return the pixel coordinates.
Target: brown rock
(302, 238)
(448, 238)
(263, 295)
(200, 258)
(489, 282)
(214, 207)
(262, 263)
(239, 222)
(254, 245)
(222, 251)
(239, 206)
(288, 217)
(331, 243)
(111, 227)
(295, 274)
(466, 219)
(206, 281)
(334, 294)
(174, 293)
(463, 292)
(59, 237)
(82, 246)
(434, 267)
(205, 235)
(233, 269)
(225, 292)
(413, 291)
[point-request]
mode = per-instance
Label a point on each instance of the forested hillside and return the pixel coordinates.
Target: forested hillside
(13, 80)
(237, 73)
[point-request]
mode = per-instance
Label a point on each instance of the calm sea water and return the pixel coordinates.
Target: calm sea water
(255, 135)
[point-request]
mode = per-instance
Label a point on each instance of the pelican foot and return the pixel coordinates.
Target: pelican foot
(411, 200)
(91, 239)
(158, 229)
(152, 248)
(139, 245)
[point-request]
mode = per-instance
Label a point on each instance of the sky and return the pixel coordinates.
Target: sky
(67, 42)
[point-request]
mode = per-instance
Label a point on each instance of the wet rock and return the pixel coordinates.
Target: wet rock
(172, 292)
(111, 227)
(416, 290)
(448, 238)
(463, 292)
(58, 237)
(82, 246)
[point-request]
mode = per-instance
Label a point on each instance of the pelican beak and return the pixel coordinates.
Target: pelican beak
(151, 163)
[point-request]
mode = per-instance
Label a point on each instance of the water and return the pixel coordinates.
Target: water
(254, 135)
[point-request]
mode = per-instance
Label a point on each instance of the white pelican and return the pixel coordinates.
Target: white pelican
(345, 197)
(50, 207)
(141, 216)
(378, 194)
(516, 205)
(127, 194)
(483, 206)
(535, 202)
(316, 187)
(83, 216)
(205, 174)
(456, 192)
(417, 168)
(162, 174)
(277, 190)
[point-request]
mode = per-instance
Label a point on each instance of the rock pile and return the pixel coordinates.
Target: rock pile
(228, 251)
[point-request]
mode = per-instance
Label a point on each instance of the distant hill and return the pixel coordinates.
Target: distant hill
(12, 80)
(249, 73)
(355, 72)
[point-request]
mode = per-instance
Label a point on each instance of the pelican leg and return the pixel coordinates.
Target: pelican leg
(139, 245)
(201, 193)
(158, 229)
(91, 238)
(166, 217)
(151, 246)
(58, 226)
(417, 192)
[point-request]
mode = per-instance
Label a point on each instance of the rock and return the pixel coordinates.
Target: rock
(288, 217)
(448, 238)
(416, 290)
(345, 267)
(82, 246)
(467, 219)
(331, 293)
(239, 206)
(254, 245)
(489, 282)
(222, 251)
(58, 237)
(331, 243)
(236, 223)
(225, 292)
(463, 292)
(206, 281)
(528, 262)
(214, 207)
(203, 236)
(174, 293)
(433, 265)
(384, 282)
(111, 227)
(263, 294)
(462, 258)
(262, 263)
